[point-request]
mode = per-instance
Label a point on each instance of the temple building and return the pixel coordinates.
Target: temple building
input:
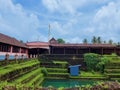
(37, 48)
(81, 49)
(10, 48)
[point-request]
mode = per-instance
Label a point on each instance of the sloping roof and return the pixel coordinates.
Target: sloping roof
(38, 44)
(11, 41)
(53, 41)
(82, 45)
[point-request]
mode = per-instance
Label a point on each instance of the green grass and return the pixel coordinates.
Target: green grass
(115, 61)
(26, 76)
(32, 81)
(60, 62)
(114, 74)
(9, 68)
(56, 70)
(112, 70)
(115, 79)
(35, 75)
(112, 66)
(90, 74)
(58, 73)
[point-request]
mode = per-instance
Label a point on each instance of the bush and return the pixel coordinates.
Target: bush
(96, 62)
(91, 61)
(101, 64)
(44, 71)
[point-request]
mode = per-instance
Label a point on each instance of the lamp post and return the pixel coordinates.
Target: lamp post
(49, 38)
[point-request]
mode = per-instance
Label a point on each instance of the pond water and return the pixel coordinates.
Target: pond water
(66, 83)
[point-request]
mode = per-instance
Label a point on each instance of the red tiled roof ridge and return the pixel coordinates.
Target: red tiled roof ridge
(37, 42)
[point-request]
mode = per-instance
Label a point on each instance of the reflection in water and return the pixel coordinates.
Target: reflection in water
(66, 82)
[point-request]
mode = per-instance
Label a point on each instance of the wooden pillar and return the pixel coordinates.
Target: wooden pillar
(0, 47)
(89, 50)
(27, 53)
(76, 51)
(20, 49)
(49, 50)
(64, 50)
(11, 49)
(115, 51)
(102, 51)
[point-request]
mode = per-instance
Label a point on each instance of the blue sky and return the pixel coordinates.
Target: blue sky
(72, 20)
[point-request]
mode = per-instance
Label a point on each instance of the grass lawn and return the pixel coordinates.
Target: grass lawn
(8, 68)
(26, 76)
(60, 62)
(89, 75)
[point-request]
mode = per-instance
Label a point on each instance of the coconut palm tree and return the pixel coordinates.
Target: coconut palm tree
(94, 40)
(85, 41)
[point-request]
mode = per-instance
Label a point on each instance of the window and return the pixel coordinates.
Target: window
(16, 49)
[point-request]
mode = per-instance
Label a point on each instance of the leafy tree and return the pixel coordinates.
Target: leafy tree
(99, 40)
(104, 42)
(85, 41)
(118, 43)
(94, 40)
(21, 41)
(60, 40)
(110, 41)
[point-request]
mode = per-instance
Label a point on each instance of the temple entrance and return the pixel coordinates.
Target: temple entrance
(34, 52)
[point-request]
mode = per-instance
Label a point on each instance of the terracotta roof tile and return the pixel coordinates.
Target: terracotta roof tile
(12, 41)
(37, 43)
(82, 45)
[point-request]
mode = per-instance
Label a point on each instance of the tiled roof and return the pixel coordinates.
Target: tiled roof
(82, 45)
(12, 41)
(38, 44)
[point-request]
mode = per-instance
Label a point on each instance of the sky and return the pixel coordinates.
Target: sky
(71, 20)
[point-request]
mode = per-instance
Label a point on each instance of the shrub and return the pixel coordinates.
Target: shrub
(91, 60)
(96, 62)
(103, 61)
(44, 71)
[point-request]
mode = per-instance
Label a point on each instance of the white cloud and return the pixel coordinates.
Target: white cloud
(14, 20)
(63, 6)
(66, 20)
(69, 6)
(63, 29)
(51, 4)
(102, 21)
(57, 27)
(106, 21)
(74, 40)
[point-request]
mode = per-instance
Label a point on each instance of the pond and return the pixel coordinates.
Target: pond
(66, 83)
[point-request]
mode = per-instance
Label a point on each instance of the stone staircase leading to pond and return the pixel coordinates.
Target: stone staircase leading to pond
(112, 70)
(56, 69)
